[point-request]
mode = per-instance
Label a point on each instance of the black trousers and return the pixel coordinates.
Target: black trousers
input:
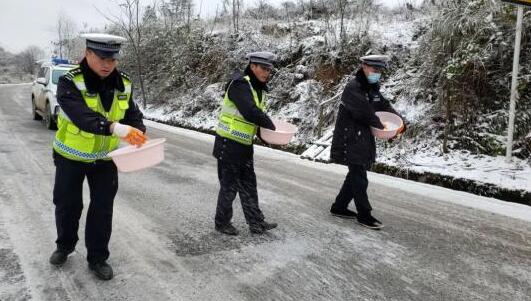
(237, 178)
(102, 178)
(354, 187)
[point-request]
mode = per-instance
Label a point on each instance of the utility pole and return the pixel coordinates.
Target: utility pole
(514, 83)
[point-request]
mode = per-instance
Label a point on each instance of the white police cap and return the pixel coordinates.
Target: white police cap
(104, 45)
(374, 60)
(261, 57)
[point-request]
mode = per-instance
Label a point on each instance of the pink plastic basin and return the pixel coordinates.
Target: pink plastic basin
(392, 123)
(132, 158)
(281, 136)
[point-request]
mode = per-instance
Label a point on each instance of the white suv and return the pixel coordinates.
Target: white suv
(43, 94)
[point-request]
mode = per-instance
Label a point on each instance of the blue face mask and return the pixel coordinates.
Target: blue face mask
(373, 78)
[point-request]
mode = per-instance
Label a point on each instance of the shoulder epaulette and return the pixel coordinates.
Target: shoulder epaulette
(123, 74)
(72, 73)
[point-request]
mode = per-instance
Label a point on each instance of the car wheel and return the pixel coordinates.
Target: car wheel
(36, 115)
(48, 119)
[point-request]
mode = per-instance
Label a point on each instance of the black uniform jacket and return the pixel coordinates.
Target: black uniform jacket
(352, 142)
(74, 106)
(240, 93)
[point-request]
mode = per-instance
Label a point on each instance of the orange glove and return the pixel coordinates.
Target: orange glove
(135, 137)
(129, 134)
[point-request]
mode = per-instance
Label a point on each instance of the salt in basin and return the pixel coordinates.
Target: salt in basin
(392, 123)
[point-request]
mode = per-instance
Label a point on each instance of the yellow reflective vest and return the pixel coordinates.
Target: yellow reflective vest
(231, 123)
(78, 145)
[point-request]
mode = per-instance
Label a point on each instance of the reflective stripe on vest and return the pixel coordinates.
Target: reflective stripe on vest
(232, 124)
(75, 144)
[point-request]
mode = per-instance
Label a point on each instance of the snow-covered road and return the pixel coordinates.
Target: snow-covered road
(438, 244)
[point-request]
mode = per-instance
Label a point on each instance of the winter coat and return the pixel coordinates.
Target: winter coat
(74, 106)
(240, 93)
(352, 142)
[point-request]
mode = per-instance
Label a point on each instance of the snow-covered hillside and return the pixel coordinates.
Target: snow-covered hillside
(315, 65)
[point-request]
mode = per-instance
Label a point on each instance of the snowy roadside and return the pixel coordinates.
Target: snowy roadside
(460, 170)
(461, 164)
(513, 210)
(421, 159)
(417, 156)
(485, 175)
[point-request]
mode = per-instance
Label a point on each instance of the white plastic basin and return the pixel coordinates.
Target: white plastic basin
(132, 158)
(281, 136)
(392, 123)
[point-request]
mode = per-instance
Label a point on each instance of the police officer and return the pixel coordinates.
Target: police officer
(353, 144)
(97, 109)
(242, 112)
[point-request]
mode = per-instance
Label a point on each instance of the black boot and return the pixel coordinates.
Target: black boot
(268, 226)
(59, 257)
(370, 222)
(343, 213)
(227, 229)
(262, 227)
(102, 270)
(256, 229)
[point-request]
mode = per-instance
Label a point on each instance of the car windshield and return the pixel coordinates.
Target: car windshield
(56, 74)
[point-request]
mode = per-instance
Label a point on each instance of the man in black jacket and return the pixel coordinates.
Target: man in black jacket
(242, 112)
(353, 144)
(97, 109)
